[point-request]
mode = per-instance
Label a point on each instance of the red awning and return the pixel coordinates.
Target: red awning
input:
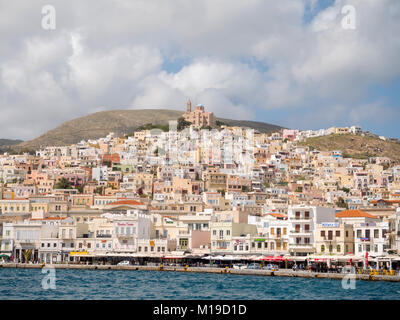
(271, 258)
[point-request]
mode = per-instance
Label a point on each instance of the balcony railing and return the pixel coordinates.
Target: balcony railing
(103, 236)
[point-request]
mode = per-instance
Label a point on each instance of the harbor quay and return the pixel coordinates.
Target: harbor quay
(266, 273)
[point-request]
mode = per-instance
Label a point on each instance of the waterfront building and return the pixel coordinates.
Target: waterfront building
(303, 222)
(371, 237)
(334, 238)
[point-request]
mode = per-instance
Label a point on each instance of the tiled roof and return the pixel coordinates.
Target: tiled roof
(354, 214)
(128, 202)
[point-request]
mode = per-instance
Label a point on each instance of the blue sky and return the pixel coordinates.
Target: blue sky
(290, 63)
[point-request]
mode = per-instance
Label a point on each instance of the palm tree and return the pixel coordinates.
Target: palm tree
(27, 255)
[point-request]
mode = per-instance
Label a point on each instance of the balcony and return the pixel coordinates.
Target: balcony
(120, 235)
(294, 218)
(300, 232)
(103, 236)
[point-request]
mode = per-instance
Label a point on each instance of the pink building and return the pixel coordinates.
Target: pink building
(199, 117)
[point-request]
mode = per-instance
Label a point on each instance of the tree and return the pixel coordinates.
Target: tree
(99, 190)
(182, 124)
(341, 203)
(27, 255)
(63, 184)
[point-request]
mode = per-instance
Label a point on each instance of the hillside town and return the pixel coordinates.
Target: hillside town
(199, 190)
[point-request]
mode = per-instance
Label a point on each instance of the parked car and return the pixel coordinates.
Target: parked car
(124, 263)
(271, 267)
(254, 266)
(239, 266)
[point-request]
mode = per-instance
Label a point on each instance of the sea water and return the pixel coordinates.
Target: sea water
(153, 285)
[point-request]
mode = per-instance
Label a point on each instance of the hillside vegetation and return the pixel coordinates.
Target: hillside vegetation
(355, 146)
(121, 122)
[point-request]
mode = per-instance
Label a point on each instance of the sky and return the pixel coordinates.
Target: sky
(289, 62)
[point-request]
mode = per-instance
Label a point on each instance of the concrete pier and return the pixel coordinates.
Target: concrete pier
(263, 273)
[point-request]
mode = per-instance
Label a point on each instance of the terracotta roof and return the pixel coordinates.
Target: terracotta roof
(354, 214)
(277, 215)
(128, 202)
(384, 200)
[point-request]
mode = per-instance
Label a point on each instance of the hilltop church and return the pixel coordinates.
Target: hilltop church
(199, 117)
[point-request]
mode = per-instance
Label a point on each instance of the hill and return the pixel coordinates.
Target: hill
(99, 124)
(355, 146)
(7, 144)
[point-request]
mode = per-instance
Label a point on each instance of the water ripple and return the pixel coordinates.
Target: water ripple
(153, 285)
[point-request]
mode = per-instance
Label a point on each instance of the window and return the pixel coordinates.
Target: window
(347, 235)
(272, 230)
(323, 233)
(359, 247)
(367, 233)
(259, 245)
(330, 248)
(337, 233)
(338, 248)
(228, 232)
(265, 245)
(307, 214)
(214, 232)
(358, 233)
(284, 230)
(376, 233)
(307, 227)
(322, 248)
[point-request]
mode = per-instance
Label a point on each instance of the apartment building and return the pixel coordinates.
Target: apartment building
(303, 221)
(334, 238)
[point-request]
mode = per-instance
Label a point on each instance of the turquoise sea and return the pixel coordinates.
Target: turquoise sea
(153, 285)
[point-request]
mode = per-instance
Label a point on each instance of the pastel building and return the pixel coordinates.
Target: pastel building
(198, 117)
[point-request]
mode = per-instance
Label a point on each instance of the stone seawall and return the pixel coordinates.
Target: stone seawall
(265, 273)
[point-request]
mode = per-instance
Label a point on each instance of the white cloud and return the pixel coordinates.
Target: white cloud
(240, 57)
